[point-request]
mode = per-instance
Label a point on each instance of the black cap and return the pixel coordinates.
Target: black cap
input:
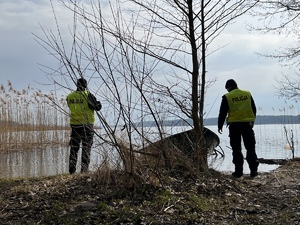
(81, 83)
(231, 84)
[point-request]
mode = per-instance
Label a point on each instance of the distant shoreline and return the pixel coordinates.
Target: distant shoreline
(287, 119)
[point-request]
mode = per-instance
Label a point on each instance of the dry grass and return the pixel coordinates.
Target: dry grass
(147, 164)
(30, 119)
(270, 198)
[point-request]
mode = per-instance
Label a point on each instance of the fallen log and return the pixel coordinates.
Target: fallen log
(273, 161)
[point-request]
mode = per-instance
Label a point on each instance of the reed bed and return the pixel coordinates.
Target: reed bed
(30, 119)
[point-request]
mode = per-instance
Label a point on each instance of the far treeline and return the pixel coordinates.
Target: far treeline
(283, 119)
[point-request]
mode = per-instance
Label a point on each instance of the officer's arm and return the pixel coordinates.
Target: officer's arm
(93, 103)
(253, 106)
(222, 113)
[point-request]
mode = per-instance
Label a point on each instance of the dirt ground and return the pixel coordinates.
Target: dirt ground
(270, 198)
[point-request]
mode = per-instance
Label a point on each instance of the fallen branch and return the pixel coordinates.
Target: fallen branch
(273, 161)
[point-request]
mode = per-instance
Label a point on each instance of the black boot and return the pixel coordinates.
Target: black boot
(253, 173)
(238, 172)
(253, 169)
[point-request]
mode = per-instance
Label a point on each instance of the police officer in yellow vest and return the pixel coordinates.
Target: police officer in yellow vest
(239, 107)
(82, 105)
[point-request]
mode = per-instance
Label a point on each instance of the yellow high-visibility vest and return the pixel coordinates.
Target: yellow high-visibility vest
(240, 110)
(80, 113)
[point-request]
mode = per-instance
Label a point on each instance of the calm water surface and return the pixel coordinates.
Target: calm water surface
(271, 144)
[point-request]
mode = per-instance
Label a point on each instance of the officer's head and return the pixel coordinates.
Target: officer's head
(230, 85)
(81, 84)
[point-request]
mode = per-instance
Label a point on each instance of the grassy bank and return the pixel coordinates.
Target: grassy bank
(107, 197)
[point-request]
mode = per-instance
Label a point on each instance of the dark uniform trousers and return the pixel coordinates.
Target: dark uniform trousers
(238, 130)
(80, 134)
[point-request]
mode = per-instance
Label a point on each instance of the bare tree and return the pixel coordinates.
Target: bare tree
(150, 57)
(289, 87)
(282, 17)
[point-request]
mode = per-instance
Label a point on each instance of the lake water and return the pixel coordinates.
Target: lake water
(271, 144)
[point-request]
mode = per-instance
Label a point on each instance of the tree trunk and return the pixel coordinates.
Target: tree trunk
(200, 155)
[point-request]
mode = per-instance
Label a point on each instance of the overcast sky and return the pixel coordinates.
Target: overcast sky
(20, 56)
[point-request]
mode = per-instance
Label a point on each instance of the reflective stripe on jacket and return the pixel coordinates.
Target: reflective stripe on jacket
(80, 113)
(240, 110)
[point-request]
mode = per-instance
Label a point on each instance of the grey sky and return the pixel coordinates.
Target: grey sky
(20, 55)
